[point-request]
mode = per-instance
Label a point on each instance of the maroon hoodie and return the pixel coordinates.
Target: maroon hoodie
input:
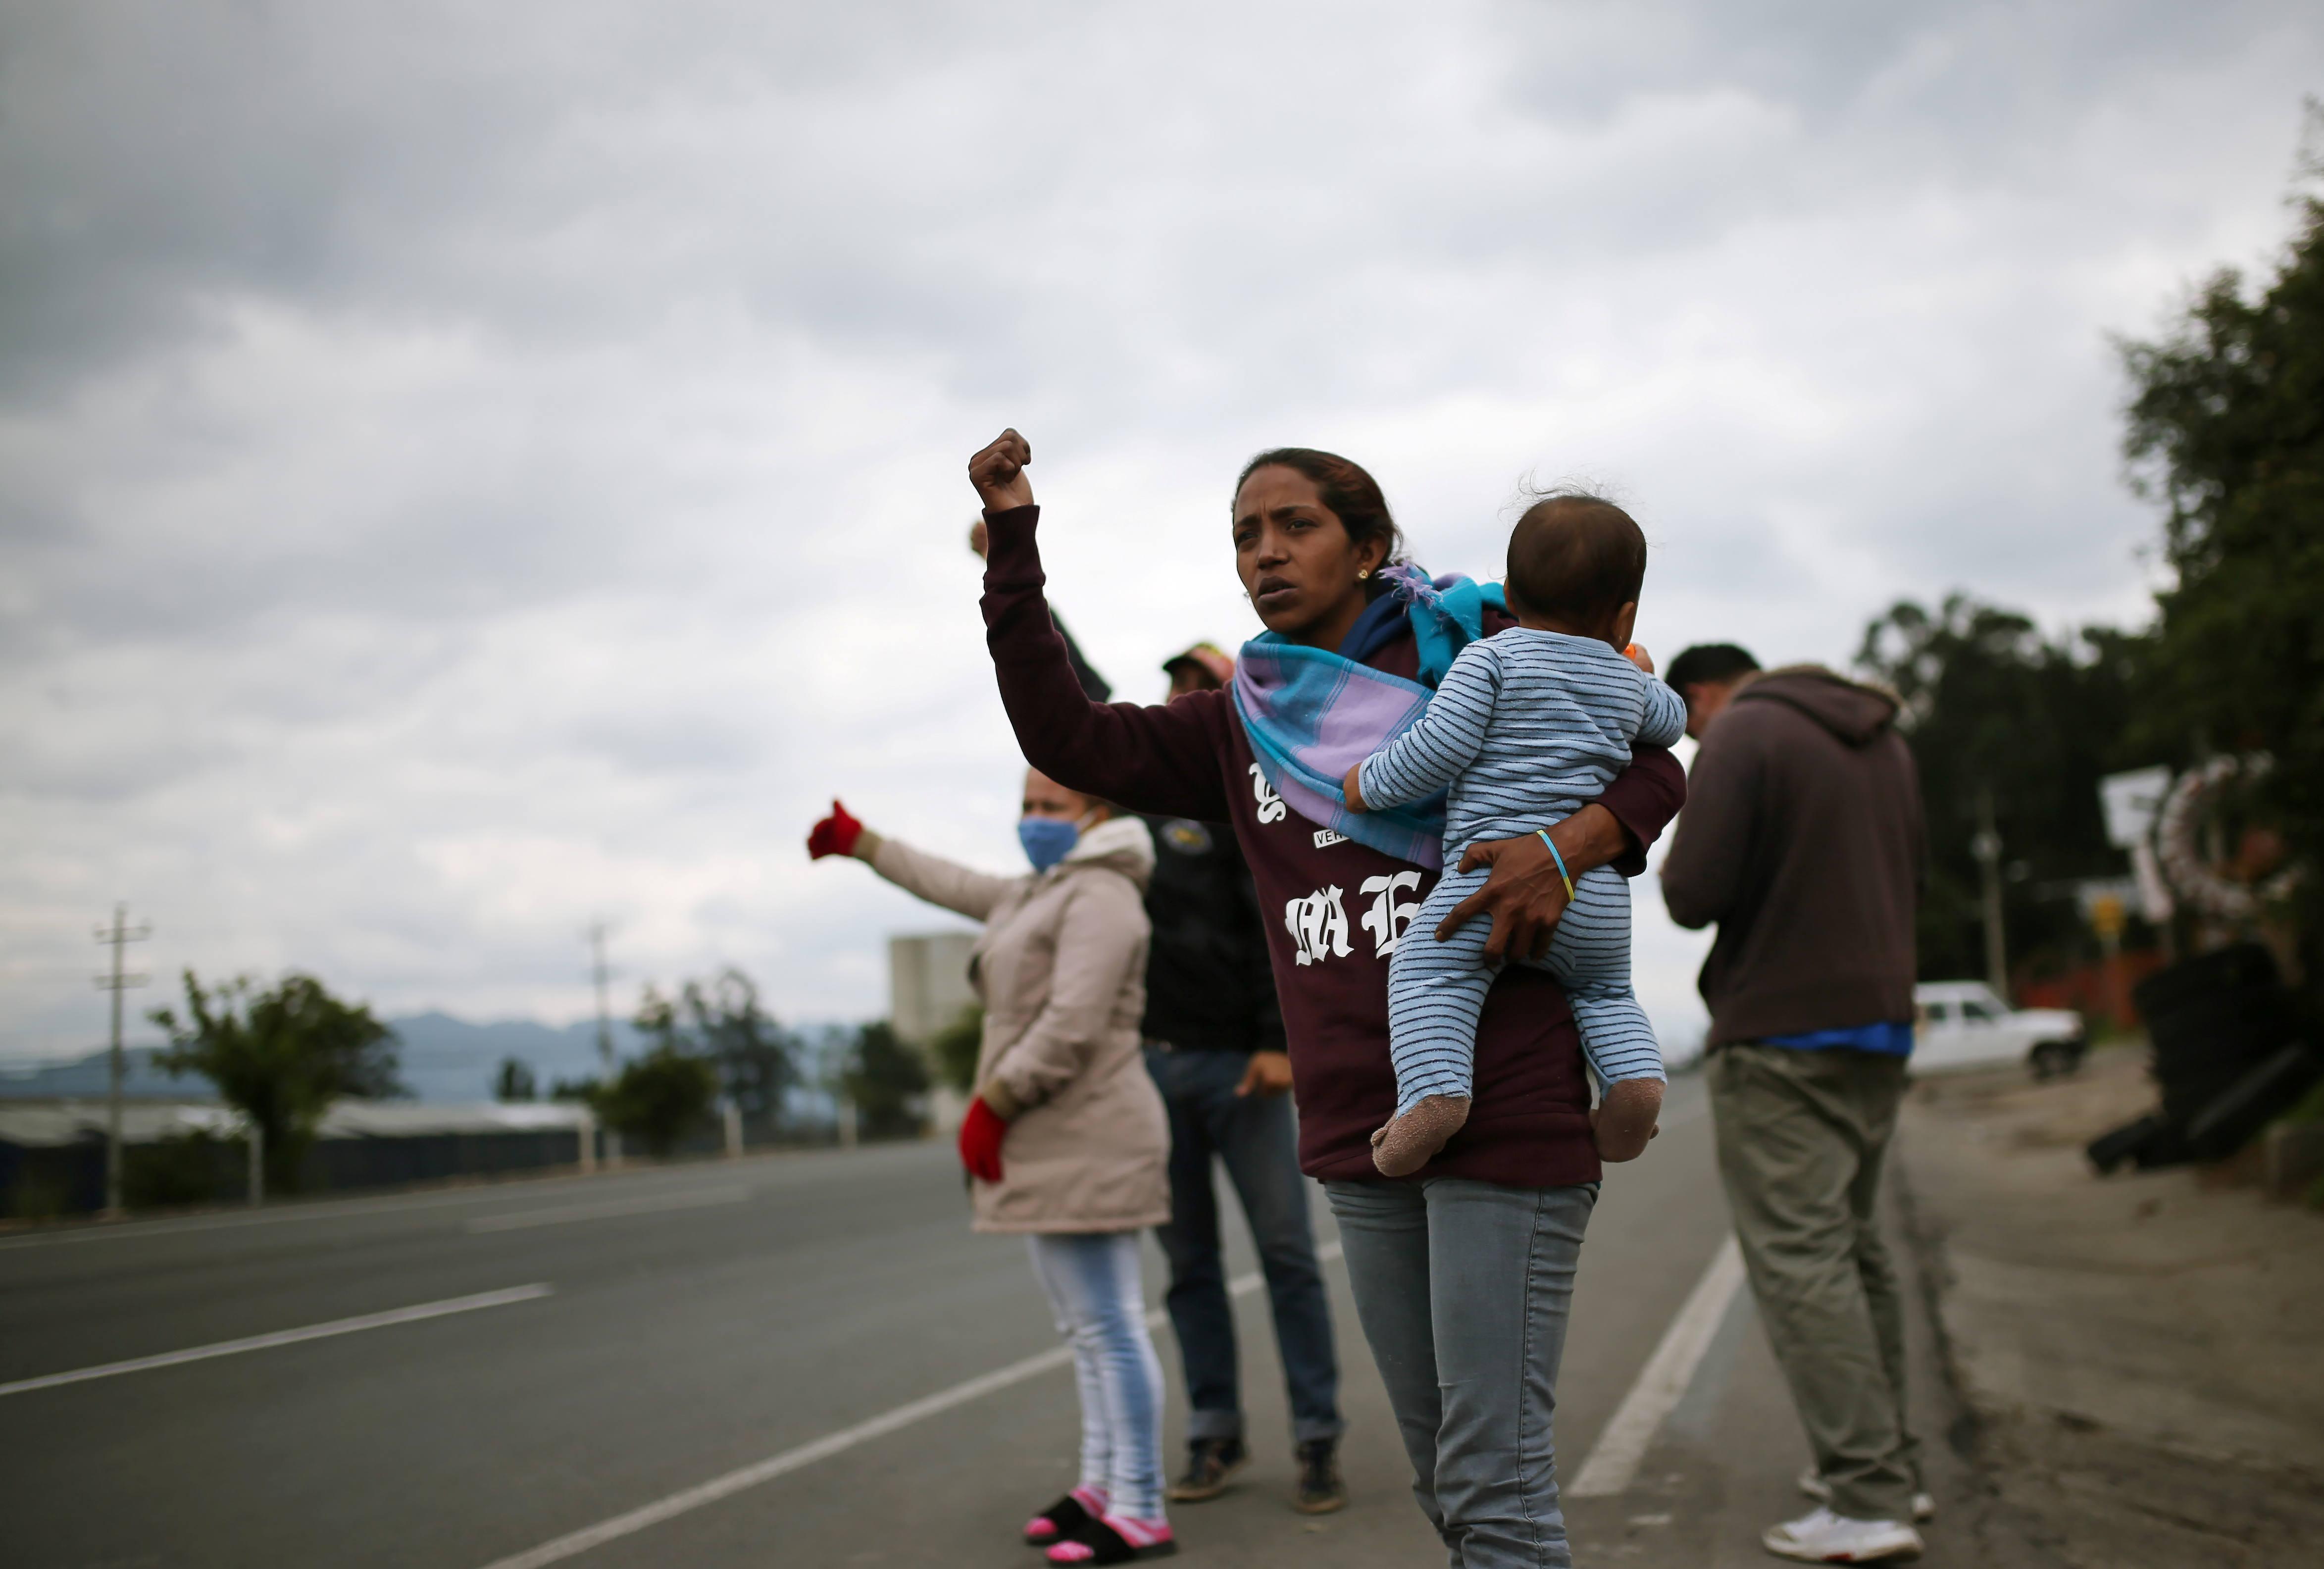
(1343, 905)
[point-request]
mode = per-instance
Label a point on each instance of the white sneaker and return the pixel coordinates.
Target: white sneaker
(1824, 1538)
(1925, 1508)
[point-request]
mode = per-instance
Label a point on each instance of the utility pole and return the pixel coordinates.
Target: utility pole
(119, 936)
(605, 1007)
(605, 1033)
(1987, 848)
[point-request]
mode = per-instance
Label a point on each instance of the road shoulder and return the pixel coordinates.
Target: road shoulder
(2139, 1355)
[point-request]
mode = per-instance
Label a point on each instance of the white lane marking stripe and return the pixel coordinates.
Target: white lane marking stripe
(823, 1448)
(227, 1348)
(1662, 1382)
(606, 1209)
(321, 1210)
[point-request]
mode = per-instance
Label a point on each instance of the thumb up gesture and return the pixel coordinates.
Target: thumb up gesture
(834, 836)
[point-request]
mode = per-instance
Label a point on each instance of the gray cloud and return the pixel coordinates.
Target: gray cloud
(466, 472)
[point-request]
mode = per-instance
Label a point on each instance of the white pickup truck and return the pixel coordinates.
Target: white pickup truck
(1962, 1024)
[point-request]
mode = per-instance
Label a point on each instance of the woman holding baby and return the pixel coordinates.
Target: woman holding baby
(1462, 1271)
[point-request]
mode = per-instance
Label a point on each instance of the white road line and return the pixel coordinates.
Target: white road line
(606, 1209)
(227, 1348)
(1662, 1382)
(325, 1210)
(823, 1448)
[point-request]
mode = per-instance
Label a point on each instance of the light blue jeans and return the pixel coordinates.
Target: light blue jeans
(1463, 1289)
(1100, 1304)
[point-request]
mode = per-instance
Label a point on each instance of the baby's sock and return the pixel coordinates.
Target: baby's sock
(1412, 1138)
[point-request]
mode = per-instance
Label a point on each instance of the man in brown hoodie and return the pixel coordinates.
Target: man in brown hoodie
(1802, 839)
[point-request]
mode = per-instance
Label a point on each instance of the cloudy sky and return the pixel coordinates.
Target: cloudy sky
(468, 472)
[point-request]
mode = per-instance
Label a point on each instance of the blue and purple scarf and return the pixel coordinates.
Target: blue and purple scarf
(1312, 715)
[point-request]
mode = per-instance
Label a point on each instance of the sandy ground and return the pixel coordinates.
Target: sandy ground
(2143, 1355)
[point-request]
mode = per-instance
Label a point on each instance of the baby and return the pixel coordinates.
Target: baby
(1527, 728)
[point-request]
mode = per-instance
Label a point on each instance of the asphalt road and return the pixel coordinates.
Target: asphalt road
(697, 1321)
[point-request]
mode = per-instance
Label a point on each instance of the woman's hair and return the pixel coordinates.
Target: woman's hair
(1351, 493)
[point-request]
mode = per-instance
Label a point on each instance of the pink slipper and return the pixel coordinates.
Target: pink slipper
(1116, 1539)
(1069, 1514)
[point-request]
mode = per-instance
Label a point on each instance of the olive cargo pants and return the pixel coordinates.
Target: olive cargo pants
(1801, 1139)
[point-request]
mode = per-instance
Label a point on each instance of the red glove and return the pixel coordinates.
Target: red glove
(981, 1133)
(834, 836)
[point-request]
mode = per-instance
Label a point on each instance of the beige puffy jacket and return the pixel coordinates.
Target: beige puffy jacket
(1061, 968)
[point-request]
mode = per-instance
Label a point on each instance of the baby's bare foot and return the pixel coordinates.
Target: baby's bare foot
(1411, 1141)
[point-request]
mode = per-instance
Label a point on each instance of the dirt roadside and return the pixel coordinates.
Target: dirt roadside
(2141, 1355)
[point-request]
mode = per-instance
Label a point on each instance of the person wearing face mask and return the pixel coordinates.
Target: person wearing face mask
(1067, 1140)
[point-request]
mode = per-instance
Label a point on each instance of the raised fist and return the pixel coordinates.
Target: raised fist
(998, 472)
(1636, 654)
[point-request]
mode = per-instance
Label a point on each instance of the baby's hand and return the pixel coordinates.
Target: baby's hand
(1349, 792)
(1636, 654)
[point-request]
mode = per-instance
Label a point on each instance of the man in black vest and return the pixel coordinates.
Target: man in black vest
(1215, 1044)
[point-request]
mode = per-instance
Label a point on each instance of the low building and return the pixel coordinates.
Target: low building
(928, 988)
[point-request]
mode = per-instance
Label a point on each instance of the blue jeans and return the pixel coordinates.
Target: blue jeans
(1463, 1289)
(1092, 1279)
(1255, 1136)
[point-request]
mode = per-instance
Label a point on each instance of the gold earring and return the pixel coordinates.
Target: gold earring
(1363, 574)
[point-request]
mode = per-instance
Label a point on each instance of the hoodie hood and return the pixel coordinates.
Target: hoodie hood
(1120, 845)
(1850, 710)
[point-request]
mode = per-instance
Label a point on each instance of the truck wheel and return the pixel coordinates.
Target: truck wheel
(2055, 1059)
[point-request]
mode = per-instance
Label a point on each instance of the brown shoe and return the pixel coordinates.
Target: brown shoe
(1210, 1464)
(1411, 1141)
(1321, 1490)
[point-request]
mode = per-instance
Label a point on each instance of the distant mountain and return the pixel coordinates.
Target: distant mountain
(444, 1058)
(91, 1077)
(441, 1058)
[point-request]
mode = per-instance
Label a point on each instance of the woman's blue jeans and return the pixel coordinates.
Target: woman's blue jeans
(1463, 1289)
(1093, 1281)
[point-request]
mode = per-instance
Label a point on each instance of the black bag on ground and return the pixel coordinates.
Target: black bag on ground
(2226, 1059)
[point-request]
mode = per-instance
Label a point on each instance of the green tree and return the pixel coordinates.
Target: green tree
(757, 1058)
(721, 1021)
(1992, 706)
(956, 1047)
(657, 1098)
(281, 1057)
(515, 1081)
(888, 1080)
(2226, 429)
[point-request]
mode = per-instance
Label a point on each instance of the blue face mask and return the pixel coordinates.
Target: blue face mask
(1047, 840)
